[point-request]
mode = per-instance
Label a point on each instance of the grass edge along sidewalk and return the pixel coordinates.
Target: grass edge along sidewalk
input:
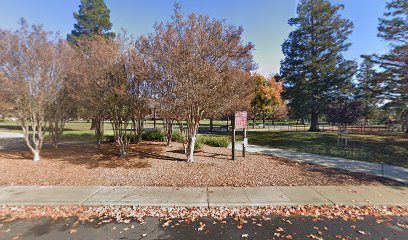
(396, 173)
(366, 195)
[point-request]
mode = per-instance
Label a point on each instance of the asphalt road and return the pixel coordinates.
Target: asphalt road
(274, 228)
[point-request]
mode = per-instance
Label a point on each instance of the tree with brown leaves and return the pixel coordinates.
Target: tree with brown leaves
(98, 57)
(35, 65)
(199, 60)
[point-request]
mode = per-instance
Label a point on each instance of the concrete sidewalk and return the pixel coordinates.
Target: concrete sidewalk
(396, 173)
(204, 196)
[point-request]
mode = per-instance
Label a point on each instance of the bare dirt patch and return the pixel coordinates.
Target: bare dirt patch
(154, 164)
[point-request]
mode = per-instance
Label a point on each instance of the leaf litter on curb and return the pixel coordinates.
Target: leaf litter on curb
(174, 216)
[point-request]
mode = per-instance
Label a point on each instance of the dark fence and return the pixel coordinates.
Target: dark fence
(356, 128)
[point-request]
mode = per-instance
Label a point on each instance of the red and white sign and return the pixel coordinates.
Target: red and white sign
(241, 120)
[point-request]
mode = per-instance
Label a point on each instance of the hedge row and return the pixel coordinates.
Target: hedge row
(158, 135)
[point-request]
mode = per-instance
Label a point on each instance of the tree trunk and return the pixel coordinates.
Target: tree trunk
(36, 155)
(191, 142)
(190, 149)
(253, 121)
(314, 122)
(139, 129)
(169, 132)
(211, 124)
(98, 132)
(154, 118)
(36, 136)
(123, 150)
(93, 124)
(263, 120)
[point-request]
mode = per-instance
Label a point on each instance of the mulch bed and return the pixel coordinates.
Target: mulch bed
(154, 164)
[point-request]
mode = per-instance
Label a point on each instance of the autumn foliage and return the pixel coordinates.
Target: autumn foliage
(268, 97)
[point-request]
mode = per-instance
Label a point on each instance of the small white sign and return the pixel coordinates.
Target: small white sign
(245, 142)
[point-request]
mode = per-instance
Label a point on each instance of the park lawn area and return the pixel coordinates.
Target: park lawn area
(364, 147)
(79, 131)
(74, 131)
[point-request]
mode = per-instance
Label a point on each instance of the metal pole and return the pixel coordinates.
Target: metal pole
(233, 137)
(243, 144)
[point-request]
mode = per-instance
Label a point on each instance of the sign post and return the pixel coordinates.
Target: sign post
(244, 143)
(233, 137)
(240, 122)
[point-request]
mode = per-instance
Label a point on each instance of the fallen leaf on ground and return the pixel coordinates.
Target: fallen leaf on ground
(202, 226)
(279, 229)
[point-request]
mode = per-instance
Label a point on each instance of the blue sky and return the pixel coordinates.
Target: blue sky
(264, 21)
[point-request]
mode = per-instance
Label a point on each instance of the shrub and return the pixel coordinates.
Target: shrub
(110, 138)
(199, 144)
(215, 141)
(133, 138)
(177, 137)
(154, 135)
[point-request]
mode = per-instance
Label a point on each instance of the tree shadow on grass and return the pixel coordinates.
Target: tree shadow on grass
(389, 149)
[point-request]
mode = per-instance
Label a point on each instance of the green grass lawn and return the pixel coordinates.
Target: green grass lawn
(372, 148)
(73, 131)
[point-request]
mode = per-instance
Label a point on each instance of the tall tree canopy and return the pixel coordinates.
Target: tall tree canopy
(267, 99)
(202, 66)
(367, 89)
(35, 69)
(314, 69)
(93, 18)
(393, 28)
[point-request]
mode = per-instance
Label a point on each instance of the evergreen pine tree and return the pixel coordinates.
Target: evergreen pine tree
(367, 89)
(314, 68)
(393, 28)
(93, 18)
